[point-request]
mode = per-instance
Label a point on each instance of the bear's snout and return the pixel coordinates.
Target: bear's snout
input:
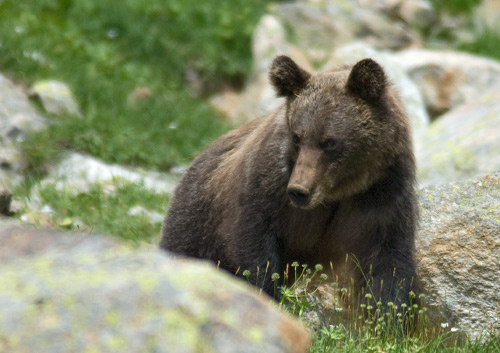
(298, 195)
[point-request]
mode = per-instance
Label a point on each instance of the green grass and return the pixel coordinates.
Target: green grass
(455, 6)
(484, 42)
(106, 49)
(104, 209)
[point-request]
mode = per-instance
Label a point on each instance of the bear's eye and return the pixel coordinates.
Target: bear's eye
(329, 145)
(295, 139)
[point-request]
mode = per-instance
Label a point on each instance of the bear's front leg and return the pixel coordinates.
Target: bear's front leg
(260, 268)
(390, 277)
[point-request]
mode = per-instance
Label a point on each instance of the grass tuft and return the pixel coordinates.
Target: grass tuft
(369, 326)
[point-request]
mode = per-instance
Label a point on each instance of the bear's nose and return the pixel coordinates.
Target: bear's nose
(298, 194)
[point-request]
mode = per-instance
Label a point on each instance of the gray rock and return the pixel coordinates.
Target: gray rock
(463, 142)
(78, 173)
(73, 292)
(448, 79)
(154, 217)
(458, 251)
(317, 28)
(418, 14)
(56, 98)
(17, 120)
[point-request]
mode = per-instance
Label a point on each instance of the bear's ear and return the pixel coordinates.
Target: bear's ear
(287, 77)
(367, 80)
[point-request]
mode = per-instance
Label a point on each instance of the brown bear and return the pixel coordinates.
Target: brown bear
(331, 173)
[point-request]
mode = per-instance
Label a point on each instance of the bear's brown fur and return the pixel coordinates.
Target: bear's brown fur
(330, 173)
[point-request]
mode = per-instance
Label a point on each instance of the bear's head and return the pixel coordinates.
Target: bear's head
(346, 127)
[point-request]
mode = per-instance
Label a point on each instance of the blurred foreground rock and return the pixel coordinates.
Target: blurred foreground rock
(81, 293)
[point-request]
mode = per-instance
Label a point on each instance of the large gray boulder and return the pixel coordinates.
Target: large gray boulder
(81, 293)
(458, 251)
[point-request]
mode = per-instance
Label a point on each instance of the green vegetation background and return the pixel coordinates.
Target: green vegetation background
(106, 49)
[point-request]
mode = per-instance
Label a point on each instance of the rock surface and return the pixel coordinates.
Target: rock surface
(73, 292)
(320, 26)
(463, 142)
(56, 98)
(78, 172)
(448, 79)
(458, 251)
(17, 120)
